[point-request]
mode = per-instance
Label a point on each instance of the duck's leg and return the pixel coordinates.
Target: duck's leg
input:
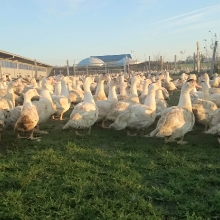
(77, 133)
(219, 138)
(32, 136)
(169, 140)
(103, 124)
(37, 130)
(152, 134)
(181, 142)
(129, 134)
(142, 133)
(19, 137)
(61, 116)
(89, 131)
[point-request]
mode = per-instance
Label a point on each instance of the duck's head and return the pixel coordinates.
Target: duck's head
(32, 93)
(114, 82)
(59, 77)
(88, 80)
(154, 86)
(189, 85)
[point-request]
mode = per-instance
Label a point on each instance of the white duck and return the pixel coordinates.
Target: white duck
(3, 116)
(123, 86)
(168, 83)
(100, 92)
(58, 86)
(215, 123)
(8, 101)
(215, 97)
(76, 93)
(45, 106)
(138, 116)
(84, 114)
(144, 93)
(105, 106)
(160, 101)
(205, 77)
(29, 116)
(176, 121)
(121, 106)
(204, 111)
(62, 101)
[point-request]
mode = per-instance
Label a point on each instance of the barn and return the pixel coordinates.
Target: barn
(16, 66)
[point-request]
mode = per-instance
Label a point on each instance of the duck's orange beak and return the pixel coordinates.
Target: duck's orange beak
(198, 86)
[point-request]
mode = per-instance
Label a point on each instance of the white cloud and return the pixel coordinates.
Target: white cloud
(197, 16)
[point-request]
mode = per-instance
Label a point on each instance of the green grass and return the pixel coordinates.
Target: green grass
(109, 176)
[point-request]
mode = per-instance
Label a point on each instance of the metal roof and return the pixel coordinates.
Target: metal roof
(14, 57)
(112, 58)
(91, 61)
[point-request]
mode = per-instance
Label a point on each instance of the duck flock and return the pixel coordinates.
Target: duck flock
(122, 101)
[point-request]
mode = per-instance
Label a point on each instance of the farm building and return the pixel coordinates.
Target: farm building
(91, 61)
(15, 66)
(111, 59)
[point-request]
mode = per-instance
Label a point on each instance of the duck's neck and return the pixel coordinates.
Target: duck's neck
(193, 90)
(69, 85)
(64, 89)
(150, 100)
(10, 94)
(205, 90)
(185, 101)
(145, 89)
(78, 87)
(167, 78)
(100, 87)
(159, 94)
(134, 88)
(207, 82)
(112, 96)
(57, 88)
(87, 93)
(45, 95)
(27, 100)
(123, 91)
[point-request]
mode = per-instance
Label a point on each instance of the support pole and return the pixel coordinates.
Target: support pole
(174, 64)
(125, 64)
(161, 63)
(213, 58)
(67, 68)
(198, 57)
(35, 68)
(194, 62)
(128, 66)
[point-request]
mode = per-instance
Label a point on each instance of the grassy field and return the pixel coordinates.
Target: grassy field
(109, 176)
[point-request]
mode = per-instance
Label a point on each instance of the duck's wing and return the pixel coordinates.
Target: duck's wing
(84, 115)
(14, 115)
(176, 120)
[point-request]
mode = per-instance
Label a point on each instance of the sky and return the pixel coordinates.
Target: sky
(53, 31)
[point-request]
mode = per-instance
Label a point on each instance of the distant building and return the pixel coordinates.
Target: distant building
(111, 59)
(91, 61)
(16, 65)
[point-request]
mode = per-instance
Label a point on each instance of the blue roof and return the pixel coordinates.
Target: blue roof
(112, 58)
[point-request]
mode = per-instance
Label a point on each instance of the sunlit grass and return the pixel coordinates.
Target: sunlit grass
(109, 176)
